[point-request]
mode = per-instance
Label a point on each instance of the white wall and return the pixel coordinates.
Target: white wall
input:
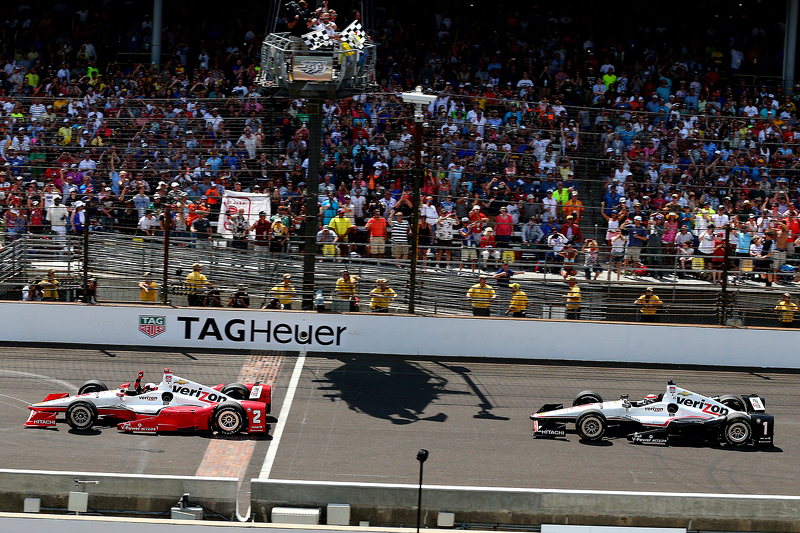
(408, 335)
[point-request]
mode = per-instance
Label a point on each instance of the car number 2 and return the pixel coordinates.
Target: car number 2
(257, 416)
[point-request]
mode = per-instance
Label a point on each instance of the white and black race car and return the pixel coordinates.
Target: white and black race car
(174, 404)
(676, 415)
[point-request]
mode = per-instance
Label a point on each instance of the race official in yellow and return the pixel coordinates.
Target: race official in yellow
(196, 285)
(573, 299)
(284, 292)
(519, 302)
(149, 288)
(786, 309)
(346, 289)
(481, 296)
(381, 296)
(649, 304)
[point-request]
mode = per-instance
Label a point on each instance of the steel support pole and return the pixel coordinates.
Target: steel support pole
(723, 294)
(155, 45)
(790, 44)
(314, 109)
(166, 228)
(417, 178)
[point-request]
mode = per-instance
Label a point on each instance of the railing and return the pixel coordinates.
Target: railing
(119, 262)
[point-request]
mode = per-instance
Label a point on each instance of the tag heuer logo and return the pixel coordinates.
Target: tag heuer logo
(152, 325)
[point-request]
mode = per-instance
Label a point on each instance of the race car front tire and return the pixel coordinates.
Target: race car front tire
(237, 391)
(92, 385)
(81, 416)
(229, 418)
(737, 430)
(587, 397)
(734, 403)
(591, 426)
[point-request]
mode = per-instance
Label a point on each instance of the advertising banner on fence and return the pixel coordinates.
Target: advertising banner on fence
(232, 201)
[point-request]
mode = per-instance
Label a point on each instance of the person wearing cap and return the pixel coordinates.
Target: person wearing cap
(400, 232)
(468, 251)
(376, 227)
(573, 299)
(637, 238)
(343, 227)
(50, 286)
(147, 225)
(196, 284)
(381, 296)
(239, 299)
(519, 302)
(149, 288)
(263, 231)
(479, 221)
(346, 289)
(201, 231)
(648, 305)
(481, 295)
(786, 309)
(57, 214)
(284, 292)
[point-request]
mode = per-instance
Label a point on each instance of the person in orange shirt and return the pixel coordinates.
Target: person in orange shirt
(376, 226)
(573, 207)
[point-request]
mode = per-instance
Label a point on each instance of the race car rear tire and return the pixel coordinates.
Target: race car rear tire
(236, 391)
(737, 430)
(586, 397)
(734, 403)
(591, 426)
(92, 385)
(81, 416)
(229, 418)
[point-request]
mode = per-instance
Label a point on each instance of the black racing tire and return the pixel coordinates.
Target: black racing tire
(236, 391)
(229, 418)
(737, 430)
(591, 426)
(586, 397)
(81, 415)
(732, 402)
(92, 385)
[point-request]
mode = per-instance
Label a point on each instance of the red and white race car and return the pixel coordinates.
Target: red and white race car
(175, 404)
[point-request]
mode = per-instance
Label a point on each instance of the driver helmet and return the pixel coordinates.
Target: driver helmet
(149, 386)
(651, 397)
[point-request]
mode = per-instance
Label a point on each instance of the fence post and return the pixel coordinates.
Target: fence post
(167, 225)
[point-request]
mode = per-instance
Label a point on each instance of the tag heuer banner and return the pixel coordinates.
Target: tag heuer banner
(152, 326)
(312, 68)
(233, 201)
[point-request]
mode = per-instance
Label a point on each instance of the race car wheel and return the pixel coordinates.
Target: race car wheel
(237, 391)
(92, 386)
(591, 426)
(734, 403)
(737, 430)
(229, 418)
(586, 397)
(81, 416)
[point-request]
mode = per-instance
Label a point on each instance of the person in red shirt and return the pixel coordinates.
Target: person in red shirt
(376, 226)
(504, 224)
(478, 219)
(571, 230)
(263, 230)
(489, 248)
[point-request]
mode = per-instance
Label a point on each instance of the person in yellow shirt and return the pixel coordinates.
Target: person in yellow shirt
(573, 299)
(481, 296)
(381, 296)
(196, 285)
(786, 309)
(649, 304)
(346, 289)
(50, 285)
(284, 292)
(519, 302)
(149, 289)
(342, 226)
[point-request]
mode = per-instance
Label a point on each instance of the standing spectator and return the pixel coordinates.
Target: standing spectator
(201, 229)
(284, 292)
(343, 226)
(468, 251)
(591, 254)
(573, 297)
(445, 230)
(381, 296)
(149, 289)
(240, 229)
(786, 309)
(648, 305)
(504, 224)
(346, 289)
(240, 299)
(637, 238)
(147, 225)
(376, 227)
(519, 302)
(617, 255)
(400, 232)
(57, 214)
(263, 229)
(196, 285)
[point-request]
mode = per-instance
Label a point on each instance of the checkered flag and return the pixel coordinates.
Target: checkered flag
(316, 39)
(354, 35)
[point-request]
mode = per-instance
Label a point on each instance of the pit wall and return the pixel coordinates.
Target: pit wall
(236, 329)
(396, 504)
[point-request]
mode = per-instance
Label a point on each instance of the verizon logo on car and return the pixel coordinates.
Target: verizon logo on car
(702, 405)
(210, 397)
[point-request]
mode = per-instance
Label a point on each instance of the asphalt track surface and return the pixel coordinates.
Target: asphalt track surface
(363, 418)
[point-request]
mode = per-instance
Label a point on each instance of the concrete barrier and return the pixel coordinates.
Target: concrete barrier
(131, 492)
(395, 504)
